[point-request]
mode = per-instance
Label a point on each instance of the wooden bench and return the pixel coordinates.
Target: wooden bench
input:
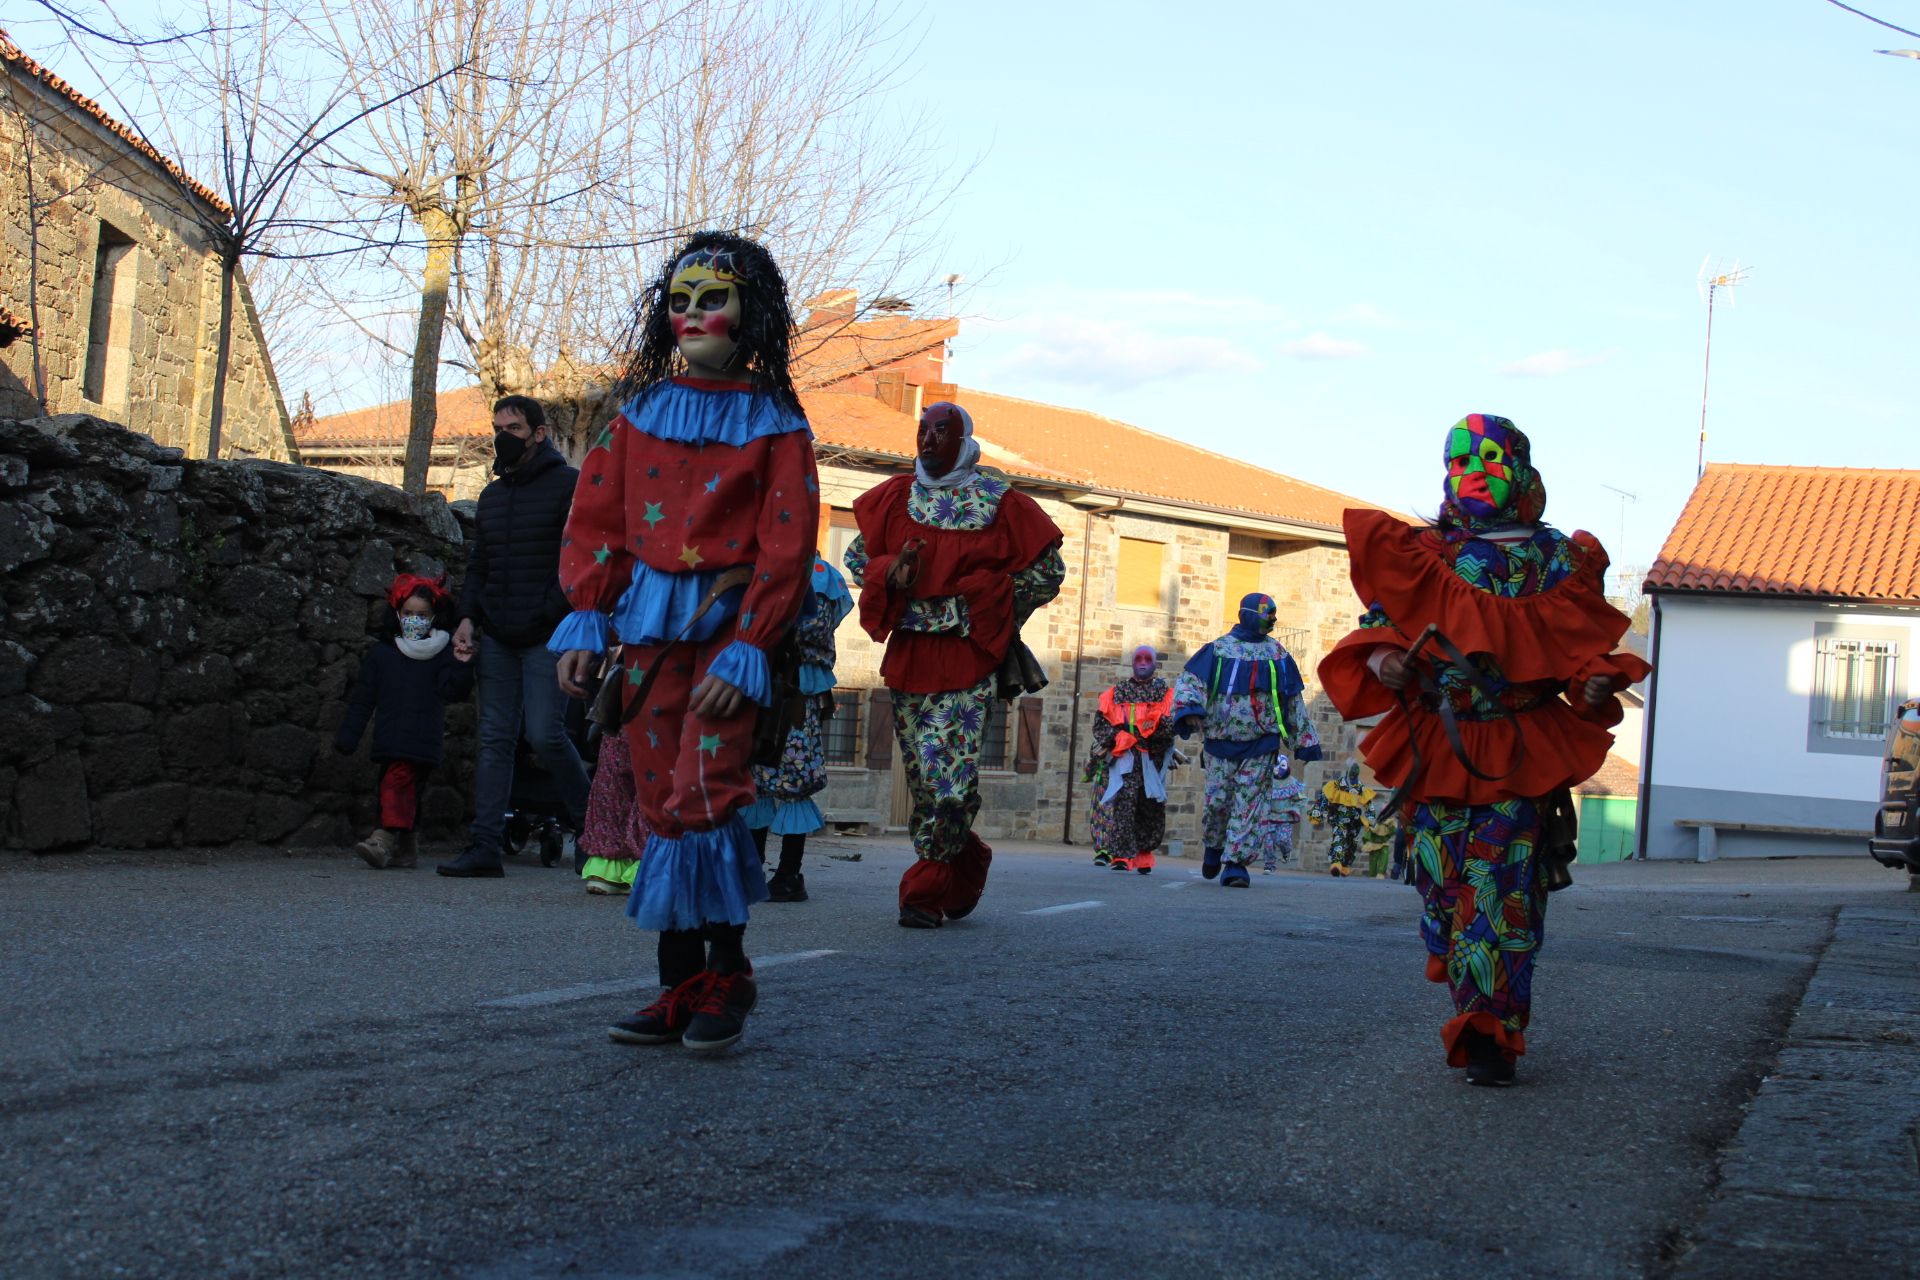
(1708, 832)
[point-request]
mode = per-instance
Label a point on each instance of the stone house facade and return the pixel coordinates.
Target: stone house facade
(1160, 539)
(108, 258)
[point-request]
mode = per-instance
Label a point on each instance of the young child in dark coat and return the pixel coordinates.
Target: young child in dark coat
(405, 684)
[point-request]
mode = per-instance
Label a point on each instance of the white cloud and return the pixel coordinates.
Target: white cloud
(1551, 364)
(1115, 353)
(1319, 346)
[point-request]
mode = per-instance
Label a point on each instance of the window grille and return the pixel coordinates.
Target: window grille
(840, 736)
(1854, 686)
(996, 738)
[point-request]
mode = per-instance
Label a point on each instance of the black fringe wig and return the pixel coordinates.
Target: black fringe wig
(765, 335)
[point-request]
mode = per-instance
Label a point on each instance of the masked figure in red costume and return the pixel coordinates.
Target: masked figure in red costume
(951, 562)
(692, 539)
(1484, 740)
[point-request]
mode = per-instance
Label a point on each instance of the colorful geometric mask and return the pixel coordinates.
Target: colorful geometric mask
(1490, 476)
(1258, 612)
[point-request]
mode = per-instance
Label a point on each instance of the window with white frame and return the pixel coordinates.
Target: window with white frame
(1859, 675)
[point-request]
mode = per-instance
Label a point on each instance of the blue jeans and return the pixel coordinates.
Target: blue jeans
(521, 687)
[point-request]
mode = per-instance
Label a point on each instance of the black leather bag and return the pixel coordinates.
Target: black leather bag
(1559, 832)
(1019, 672)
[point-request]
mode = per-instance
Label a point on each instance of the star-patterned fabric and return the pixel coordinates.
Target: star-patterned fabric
(689, 480)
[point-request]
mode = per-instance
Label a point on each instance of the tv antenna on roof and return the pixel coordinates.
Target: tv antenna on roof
(1710, 282)
(1625, 498)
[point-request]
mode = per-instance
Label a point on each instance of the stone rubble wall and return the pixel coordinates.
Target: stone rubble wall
(178, 638)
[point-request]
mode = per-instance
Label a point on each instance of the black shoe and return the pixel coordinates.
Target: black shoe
(720, 1012)
(962, 913)
(1210, 863)
(472, 864)
(1486, 1064)
(666, 1019)
(915, 918)
(787, 886)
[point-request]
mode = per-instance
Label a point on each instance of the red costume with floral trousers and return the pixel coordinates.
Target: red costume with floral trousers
(1505, 706)
(694, 525)
(980, 556)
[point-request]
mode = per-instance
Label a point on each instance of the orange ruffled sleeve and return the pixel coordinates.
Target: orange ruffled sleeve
(1566, 633)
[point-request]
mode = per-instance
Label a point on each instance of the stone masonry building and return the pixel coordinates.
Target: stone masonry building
(1161, 541)
(107, 257)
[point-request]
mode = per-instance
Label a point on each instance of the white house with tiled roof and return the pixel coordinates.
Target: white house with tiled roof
(1786, 615)
(1161, 539)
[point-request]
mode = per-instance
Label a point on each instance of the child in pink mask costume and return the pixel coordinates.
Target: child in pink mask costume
(692, 539)
(1132, 734)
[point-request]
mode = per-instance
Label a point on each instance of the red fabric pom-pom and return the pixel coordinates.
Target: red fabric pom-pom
(408, 583)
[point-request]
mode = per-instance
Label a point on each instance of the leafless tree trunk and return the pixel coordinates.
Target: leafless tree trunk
(585, 137)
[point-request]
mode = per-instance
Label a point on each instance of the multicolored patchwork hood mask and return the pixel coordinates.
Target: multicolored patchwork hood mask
(1490, 476)
(1258, 613)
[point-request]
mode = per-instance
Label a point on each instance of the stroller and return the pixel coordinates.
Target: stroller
(535, 815)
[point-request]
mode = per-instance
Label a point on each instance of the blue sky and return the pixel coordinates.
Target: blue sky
(1314, 235)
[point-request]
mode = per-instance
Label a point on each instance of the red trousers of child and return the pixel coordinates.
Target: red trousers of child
(400, 784)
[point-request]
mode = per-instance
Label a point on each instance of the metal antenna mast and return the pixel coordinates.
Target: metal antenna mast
(1709, 283)
(1625, 498)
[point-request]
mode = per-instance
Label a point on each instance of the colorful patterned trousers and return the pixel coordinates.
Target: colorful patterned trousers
(1248, 811)
(1484, 917)
(939, 735)
(691, 777)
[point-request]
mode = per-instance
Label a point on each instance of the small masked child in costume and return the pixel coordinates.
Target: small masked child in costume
(405, 684)
(1345, 807)
(614, 834)
(1132, 733)
(784, 792)
(951, 561)
(691, 541)
(1243, 692)
(1522, 605)
(1380, 840)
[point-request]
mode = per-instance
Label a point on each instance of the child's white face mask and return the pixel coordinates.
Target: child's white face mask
(414, 626)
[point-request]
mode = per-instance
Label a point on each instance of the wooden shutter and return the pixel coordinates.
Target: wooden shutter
(1140, 574)
(1026, 753)
(879, 729)
(1243, 578)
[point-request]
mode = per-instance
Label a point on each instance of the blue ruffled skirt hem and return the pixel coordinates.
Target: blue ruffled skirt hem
(784, 817)
(702, 877)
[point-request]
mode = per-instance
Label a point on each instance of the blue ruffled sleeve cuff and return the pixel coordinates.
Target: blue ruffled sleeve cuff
(745, 668)
(815, 678)
(1310, 753)
(584, 629)
(1180, 714)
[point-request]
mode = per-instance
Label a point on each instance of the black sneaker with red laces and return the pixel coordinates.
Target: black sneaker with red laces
(720, 1012)
(666, 1019)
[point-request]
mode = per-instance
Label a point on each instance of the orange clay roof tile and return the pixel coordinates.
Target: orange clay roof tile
(1040, 442)
(13, 53)
(1838, 533)
(838, 351)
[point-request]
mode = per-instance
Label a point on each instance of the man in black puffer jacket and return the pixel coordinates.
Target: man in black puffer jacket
(512, 599)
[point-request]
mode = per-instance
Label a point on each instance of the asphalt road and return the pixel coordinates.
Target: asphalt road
(264, 1065)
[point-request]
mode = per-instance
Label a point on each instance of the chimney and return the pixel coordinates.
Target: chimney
(833, 307)
(890, 389)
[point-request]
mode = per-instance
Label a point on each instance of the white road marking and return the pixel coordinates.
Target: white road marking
(1065, 906)
(587, 990)
(1177, 884)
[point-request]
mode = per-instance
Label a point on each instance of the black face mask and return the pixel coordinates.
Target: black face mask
(508, 450)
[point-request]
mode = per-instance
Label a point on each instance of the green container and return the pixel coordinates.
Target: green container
(1606, 828)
